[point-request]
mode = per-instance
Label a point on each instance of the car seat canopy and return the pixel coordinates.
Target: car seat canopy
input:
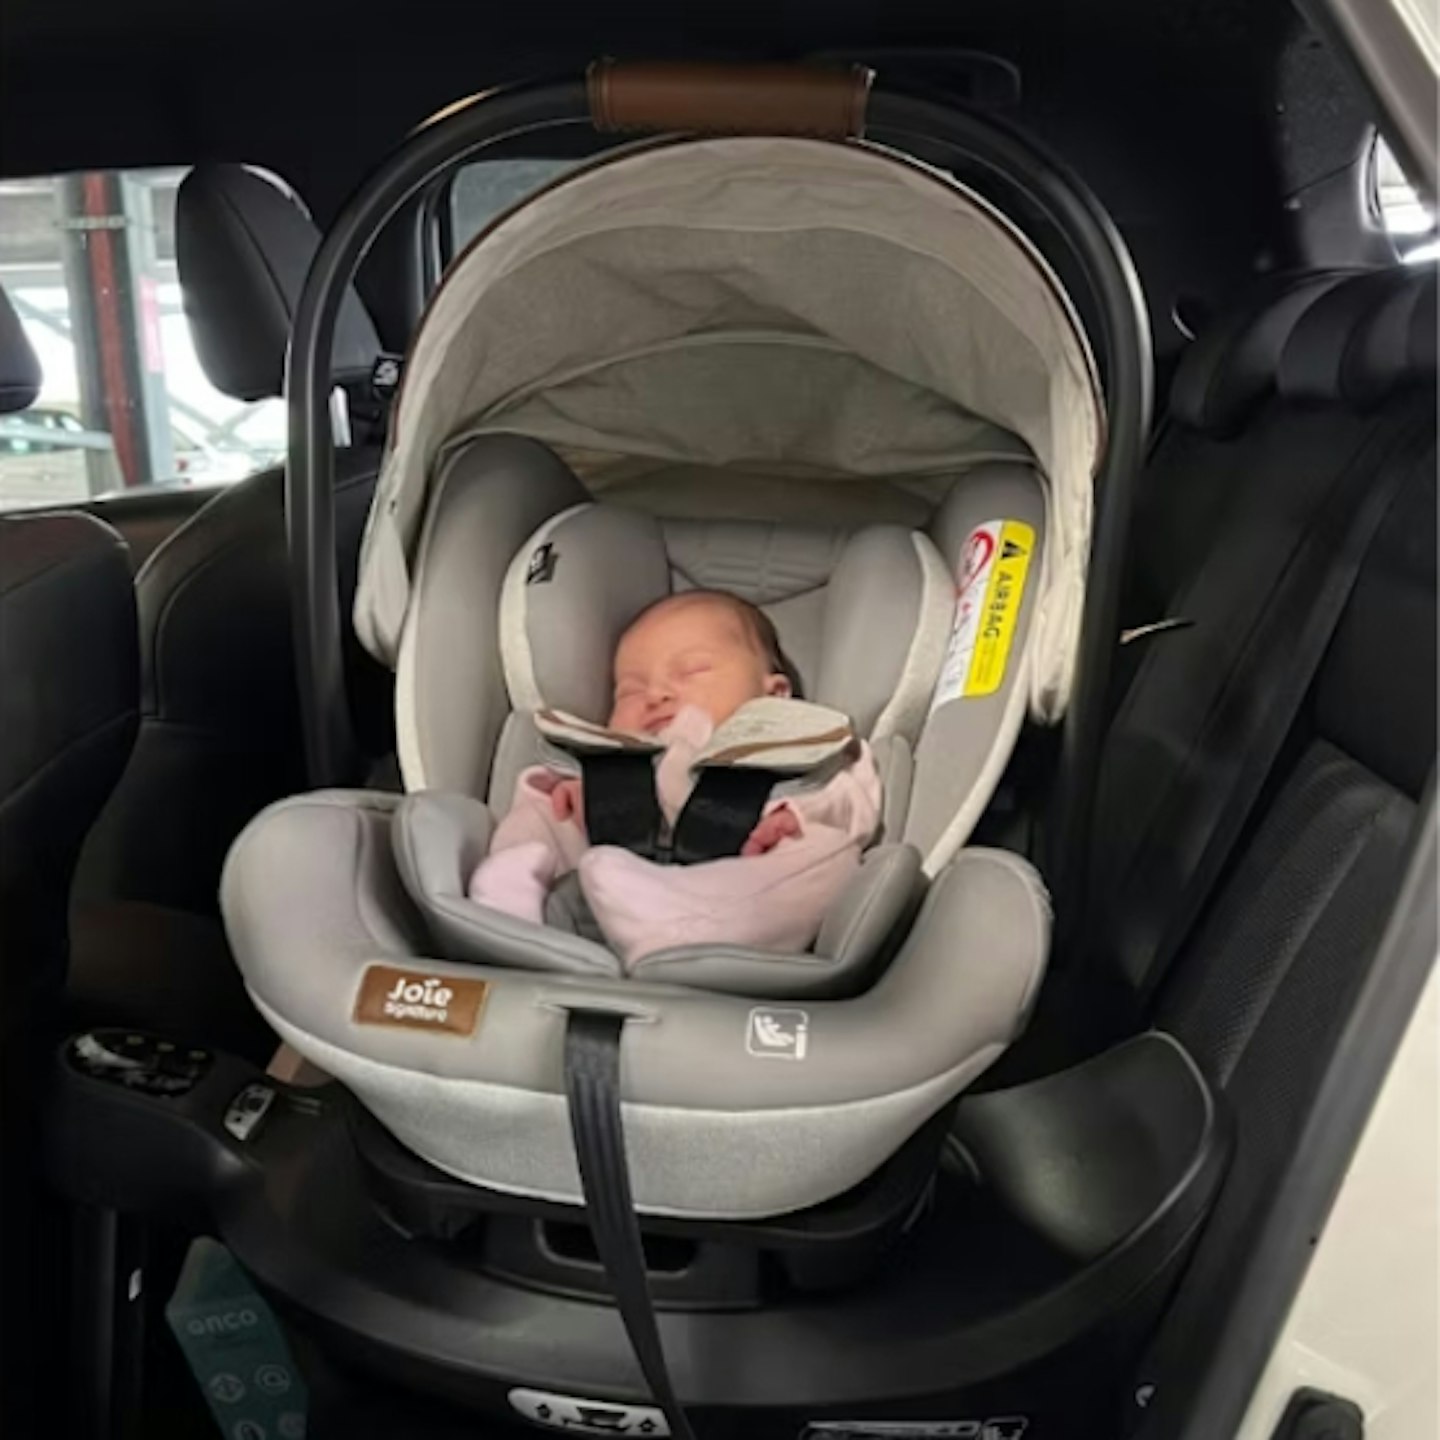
(805, 323)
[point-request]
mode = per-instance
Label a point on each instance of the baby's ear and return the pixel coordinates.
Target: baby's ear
(779, 686)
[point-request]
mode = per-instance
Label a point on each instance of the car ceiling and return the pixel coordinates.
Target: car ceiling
(1167, 107)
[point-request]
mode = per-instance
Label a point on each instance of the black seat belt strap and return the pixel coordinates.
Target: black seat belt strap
(621, 807)
(592, 1087)
(723, 808)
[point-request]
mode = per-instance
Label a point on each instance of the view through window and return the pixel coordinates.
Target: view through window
(1408, 221)
(484, 190)
(88, 261)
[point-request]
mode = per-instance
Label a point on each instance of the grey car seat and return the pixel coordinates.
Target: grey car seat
(727, 410)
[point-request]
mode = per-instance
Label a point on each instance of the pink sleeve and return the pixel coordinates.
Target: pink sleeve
(849, 802)
(531, 818)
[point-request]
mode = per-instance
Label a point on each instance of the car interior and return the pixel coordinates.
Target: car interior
(1081, 1049)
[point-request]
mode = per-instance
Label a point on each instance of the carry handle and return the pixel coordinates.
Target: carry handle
(707, 98)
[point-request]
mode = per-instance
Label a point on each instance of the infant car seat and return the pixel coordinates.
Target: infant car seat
(820, 376)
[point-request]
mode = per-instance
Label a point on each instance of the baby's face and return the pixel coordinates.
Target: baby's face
(688, 652)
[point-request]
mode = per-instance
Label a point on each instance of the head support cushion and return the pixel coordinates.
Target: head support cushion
(1226, 374)
(243, 248)
(569, 596)
(1364, 340)
(572, 591)
(19, 369)
(1324, 360)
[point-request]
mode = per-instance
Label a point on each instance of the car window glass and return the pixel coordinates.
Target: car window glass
(1409, 222)
(88, 260)
(486, 189)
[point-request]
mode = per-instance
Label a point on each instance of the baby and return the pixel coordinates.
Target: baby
(684, 667)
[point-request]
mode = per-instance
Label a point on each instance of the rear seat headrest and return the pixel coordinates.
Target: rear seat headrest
(242, 249)
(1362, 339)
(1230, 369)
(19, 368)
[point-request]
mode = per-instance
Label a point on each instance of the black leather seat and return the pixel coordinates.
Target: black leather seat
(1323, 385)
(220, 725)
(68, 711)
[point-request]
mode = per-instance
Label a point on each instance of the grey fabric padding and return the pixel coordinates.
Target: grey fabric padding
(773, 492)
(967, 741)
(870, 911)
(895, 762)
(844, 954)
(266, 914)
(757, 306)
(311, 897)
(871, 604)
(685, 1163)
(604, 565)
(438, 839)
(519, 747)
(450, 699)
(760, 561)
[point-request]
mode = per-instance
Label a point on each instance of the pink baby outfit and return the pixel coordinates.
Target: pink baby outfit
(773, 901)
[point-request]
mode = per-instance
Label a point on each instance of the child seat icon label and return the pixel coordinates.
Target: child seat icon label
(778, 1034)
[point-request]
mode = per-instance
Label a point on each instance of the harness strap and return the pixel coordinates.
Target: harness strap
(723, 808)
(621, 807)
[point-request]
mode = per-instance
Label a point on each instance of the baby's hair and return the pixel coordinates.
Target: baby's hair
(760, 627)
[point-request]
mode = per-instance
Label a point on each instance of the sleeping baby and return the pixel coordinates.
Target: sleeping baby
(685, 667)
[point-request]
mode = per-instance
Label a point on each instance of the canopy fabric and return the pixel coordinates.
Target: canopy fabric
(753, 316)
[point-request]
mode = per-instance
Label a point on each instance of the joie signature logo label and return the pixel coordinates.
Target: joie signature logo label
(416, 1001)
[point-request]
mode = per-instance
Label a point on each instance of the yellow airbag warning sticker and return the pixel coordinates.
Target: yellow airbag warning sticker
(993, 569)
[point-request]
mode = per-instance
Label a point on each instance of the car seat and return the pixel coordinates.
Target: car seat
(220, 733)
(68, 689)
(552, 470)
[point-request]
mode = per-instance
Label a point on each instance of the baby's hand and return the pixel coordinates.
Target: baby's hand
(566, 802)
(778, 825)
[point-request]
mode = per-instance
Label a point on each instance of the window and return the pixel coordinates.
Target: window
(88, 261)
(1408, 221)
(485, 190)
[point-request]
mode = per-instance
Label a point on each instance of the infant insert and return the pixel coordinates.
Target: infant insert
(817, 375)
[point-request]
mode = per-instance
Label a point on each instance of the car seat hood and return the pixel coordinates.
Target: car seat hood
(788, 313)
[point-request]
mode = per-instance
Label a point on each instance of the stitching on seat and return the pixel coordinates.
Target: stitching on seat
(112, 547)
(65, 751)
(1165, 800)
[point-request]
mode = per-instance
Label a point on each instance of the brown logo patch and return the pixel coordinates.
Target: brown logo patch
(414, 1000)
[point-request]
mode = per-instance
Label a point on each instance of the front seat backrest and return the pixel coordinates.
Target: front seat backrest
(220, 732)
(68, 687)
(68, 701)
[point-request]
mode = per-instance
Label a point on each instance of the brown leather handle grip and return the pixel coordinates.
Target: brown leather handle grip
(714, 99)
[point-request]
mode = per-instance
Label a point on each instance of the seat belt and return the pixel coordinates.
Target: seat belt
(592, 1089)
(621, 808)
(1161, 891)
